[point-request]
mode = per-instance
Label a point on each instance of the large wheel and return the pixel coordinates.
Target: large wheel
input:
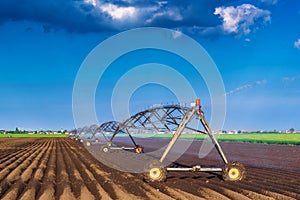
(138, 149)
(234, 171)
(155, 172)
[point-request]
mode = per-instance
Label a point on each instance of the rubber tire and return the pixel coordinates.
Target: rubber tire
(234, 171)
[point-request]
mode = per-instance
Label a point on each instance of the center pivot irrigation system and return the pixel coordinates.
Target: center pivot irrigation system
(163, 119)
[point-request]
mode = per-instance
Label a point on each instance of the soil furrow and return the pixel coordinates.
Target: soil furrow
(246, 188)
(15, 174)
(191, 185)
(10, 153)
(22, 173)
(47, 189)
(275, 187)
(62, 177)
(61, 168)
(77, 183)
(15, 158)
(272, 178)
(274, 174)
(215, 184)
(89, 179)
(12, 172)
(101, 176)
(287, 184)
(182, 195)
(117, 178)
(14, 191)
(37, 169)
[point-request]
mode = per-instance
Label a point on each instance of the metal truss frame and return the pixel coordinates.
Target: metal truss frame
(163, 119)
(158, 119)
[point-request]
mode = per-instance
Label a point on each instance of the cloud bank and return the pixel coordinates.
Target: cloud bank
(241, 19)
(210, 17)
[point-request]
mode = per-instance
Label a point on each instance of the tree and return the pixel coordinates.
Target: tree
(17, 130)
(292, 130)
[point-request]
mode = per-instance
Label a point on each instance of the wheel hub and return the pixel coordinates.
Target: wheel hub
(234, 173)
(138, 149)
(105, 149)
(155, 173)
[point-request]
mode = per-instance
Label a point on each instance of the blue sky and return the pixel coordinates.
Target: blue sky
(255, 45)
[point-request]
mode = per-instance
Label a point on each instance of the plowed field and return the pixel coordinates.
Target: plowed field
(61, 168)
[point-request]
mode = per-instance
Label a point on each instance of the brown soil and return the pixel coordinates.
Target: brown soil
(62, 168)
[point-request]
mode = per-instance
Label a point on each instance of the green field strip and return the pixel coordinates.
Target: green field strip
(265, 138)
(24, 135)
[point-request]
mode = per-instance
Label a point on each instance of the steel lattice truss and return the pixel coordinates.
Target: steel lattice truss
(163, 119)
(108, 127)
(90, 132)
(160, 119)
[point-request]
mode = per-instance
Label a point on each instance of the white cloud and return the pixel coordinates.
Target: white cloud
(162, 3)
(247, 40)
(176, 34)
(118, 13)
(287, 79)
(297, 44)
(246, 87)
(270, 2)
(92, 2)
(241, 19)
(169, 14)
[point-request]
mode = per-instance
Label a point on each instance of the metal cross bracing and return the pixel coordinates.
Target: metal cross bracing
(162, 119)
(106, 128)
(91, 133)
(109, 127)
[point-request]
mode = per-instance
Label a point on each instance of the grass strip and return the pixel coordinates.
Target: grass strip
(265, 138)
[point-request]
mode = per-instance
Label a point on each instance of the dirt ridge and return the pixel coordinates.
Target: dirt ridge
(61, 168)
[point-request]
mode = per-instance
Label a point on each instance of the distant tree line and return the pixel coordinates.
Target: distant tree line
(18, 131)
